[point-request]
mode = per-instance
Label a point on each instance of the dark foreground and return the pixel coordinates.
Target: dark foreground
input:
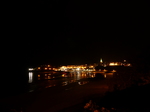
(125, 92)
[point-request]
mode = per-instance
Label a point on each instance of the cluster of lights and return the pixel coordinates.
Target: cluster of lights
(77, 68)
(65, 68)
(69, 67)
(113, 64)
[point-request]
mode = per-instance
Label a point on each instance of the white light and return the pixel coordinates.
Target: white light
(65, 83)
(78, 69)
(30, 69)
(30, 77)
(79, 83)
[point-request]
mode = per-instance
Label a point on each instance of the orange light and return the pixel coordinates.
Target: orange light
(113, 64)
(49, 77)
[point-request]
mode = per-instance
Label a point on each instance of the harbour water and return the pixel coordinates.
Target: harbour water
(46, 92)
(39, 81)
(21, 83)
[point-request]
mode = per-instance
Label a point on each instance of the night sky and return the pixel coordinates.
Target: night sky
(75, 32)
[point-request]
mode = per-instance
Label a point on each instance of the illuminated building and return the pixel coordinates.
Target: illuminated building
(77, 68)
(114, 64)
(124, 63)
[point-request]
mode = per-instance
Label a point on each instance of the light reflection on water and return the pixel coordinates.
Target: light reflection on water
(30, 77)
(48, 80)
(82, 82)
(65, 83)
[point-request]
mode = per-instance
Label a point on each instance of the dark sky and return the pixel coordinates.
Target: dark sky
(75, 31)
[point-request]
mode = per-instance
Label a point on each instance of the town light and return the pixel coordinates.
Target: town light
(30, 69)
(113, 64)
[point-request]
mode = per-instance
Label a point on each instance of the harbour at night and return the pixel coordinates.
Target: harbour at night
(75, 56)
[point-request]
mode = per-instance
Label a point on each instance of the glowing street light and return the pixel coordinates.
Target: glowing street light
(30, 69)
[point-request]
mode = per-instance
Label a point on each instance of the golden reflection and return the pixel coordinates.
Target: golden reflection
(83, 82)
(50, 86)
(39, 75)
(49, 77)
(109, 73)
(65, 83)
(73, 81)
(114, 71)
(105, 70)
